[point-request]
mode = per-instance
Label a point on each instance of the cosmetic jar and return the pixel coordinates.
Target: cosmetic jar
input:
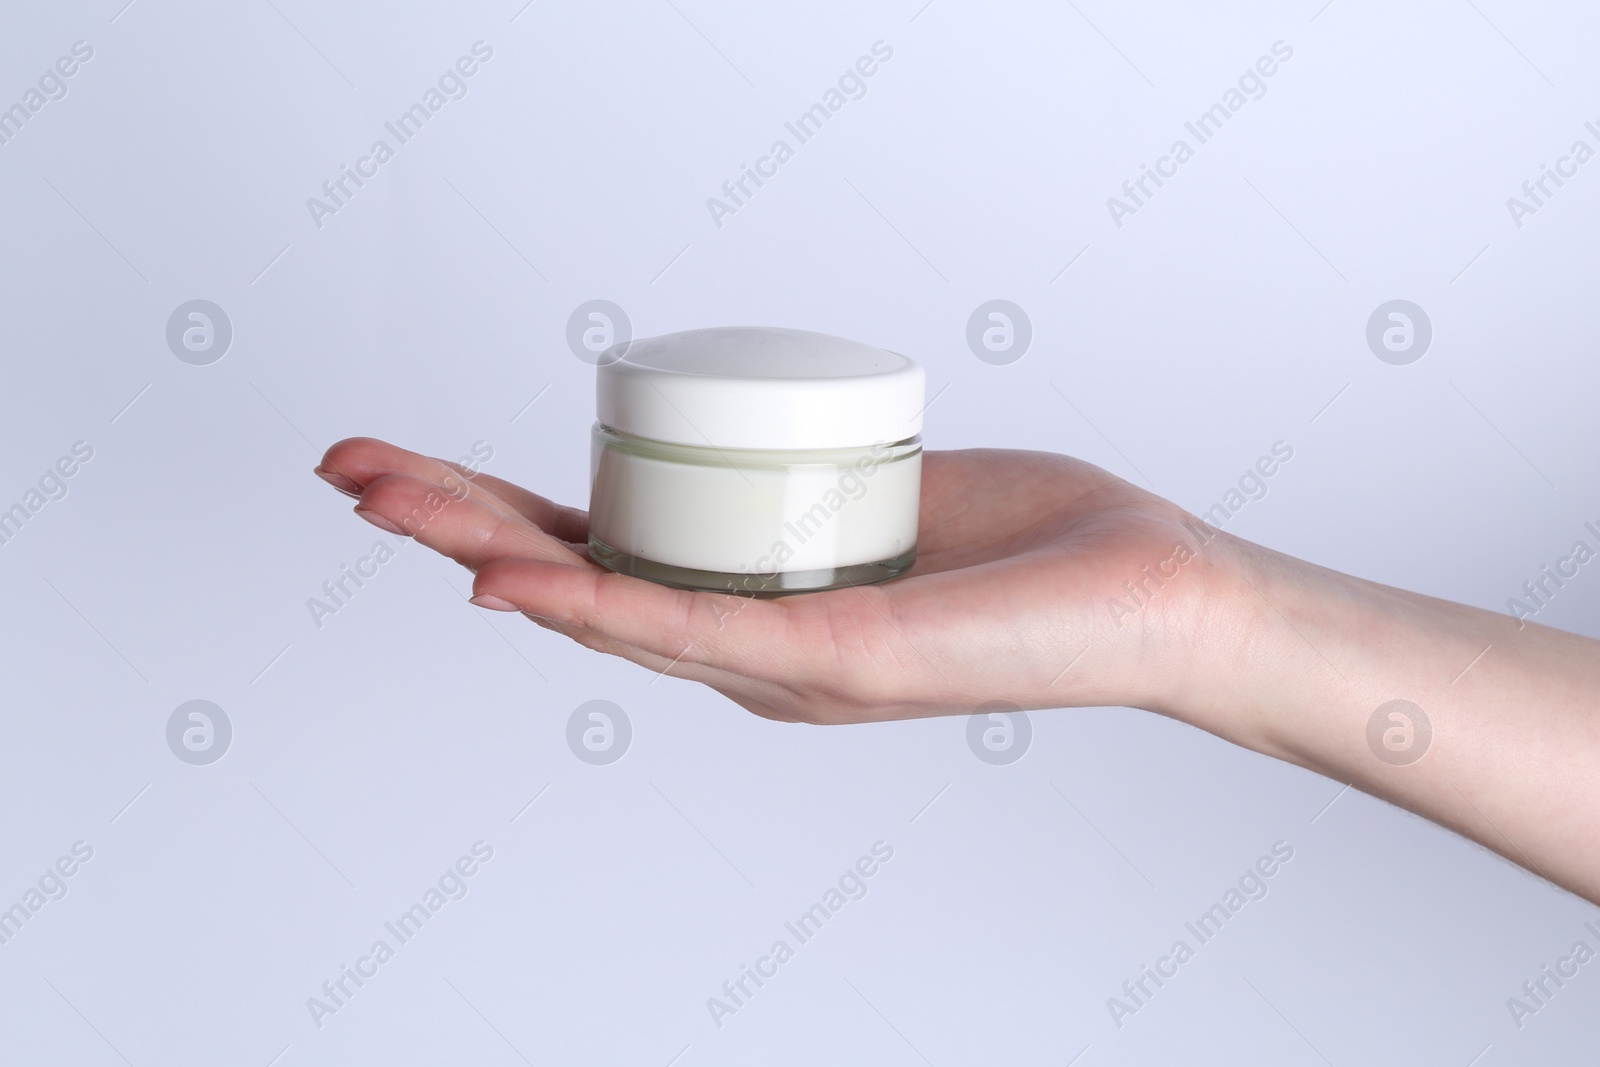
(756, 461)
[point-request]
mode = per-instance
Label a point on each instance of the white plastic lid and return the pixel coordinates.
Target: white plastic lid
(760, 387)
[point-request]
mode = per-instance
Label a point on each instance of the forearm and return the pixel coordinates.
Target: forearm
(1303, 659)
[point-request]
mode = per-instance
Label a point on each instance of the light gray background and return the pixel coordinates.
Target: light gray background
(367, 755)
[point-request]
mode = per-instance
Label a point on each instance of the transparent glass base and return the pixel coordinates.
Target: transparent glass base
(760, 585)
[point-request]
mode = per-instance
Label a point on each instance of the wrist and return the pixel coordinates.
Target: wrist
(1267, 642)
(1294, 659)
(1475, 721)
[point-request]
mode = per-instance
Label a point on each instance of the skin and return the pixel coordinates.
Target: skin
(1020, 557)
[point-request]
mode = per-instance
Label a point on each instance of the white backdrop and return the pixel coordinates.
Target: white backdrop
(1174, 340)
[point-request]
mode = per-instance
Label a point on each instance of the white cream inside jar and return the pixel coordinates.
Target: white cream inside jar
(756, 461)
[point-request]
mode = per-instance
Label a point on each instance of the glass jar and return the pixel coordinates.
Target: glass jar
(756, 461)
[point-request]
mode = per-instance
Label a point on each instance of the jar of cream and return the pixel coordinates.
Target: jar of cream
(756, 461)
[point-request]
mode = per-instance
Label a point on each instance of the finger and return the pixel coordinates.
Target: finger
(469, 530)
(741, 691)
(834, 656)
(356, 462)
(559, 520)
(740, 635)
(353, 463)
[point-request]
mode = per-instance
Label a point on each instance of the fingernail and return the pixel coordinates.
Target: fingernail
(338, 481)
(494, 603)
(380, 522)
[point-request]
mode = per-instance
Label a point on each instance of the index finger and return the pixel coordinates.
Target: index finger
(359, 461)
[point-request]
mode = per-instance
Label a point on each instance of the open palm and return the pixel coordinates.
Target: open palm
(1020, 555)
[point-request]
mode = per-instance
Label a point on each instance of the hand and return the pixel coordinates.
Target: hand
(1046, 582)
(1020, 554)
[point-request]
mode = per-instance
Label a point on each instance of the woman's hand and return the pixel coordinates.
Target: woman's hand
(1042, 581)
(1020, 555)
